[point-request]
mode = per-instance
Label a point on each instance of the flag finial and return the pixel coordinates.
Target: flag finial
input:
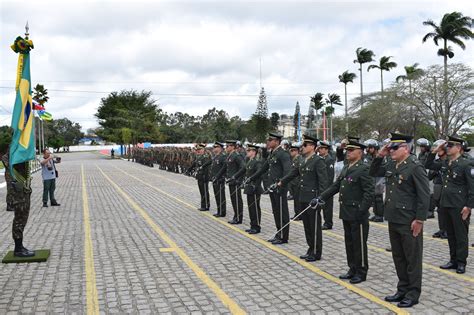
(27, 28)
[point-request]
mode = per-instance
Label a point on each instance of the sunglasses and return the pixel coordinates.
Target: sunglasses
(396, 147)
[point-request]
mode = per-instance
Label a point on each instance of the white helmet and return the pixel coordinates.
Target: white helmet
(371, 143)
(422, 142)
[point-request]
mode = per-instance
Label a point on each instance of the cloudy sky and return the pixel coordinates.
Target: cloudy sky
(195, 55)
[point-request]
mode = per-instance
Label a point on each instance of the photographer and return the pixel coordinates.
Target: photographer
(49, 174)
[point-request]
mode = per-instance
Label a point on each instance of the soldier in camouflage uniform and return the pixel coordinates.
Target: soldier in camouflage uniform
(19, 195)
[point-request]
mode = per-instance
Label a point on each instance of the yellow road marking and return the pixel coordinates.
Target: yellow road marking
(283, 252)
(228, 302)
(167, 250)
(92, 299)
(372, 247)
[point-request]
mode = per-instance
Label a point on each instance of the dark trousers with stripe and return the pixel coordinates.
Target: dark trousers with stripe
(204, 192)
(407, 253)
(458, 231)
(255, 212)
(328, 212)
(312, 229)
(237, 204)
(219, 195)
(281, 214)
(355, 237)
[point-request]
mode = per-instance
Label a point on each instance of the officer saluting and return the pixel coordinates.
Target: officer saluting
(313, 180)
(457, 199)
(406, 206)
(277, 165)
(253, 189)
(323, 150)
(218, 168)
(235, 167)
(356, 192)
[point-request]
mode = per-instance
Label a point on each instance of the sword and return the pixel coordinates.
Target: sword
(320, 202)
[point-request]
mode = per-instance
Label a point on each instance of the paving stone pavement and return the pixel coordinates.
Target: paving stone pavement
(153, 252)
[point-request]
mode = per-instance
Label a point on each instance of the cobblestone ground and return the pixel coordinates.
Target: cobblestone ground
(148, 250)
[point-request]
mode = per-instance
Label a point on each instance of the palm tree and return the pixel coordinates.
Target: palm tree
(317, 103)
(384, 65)
(363, 56)
(412, 73)
(332, 99)
(345, 78)
(40, 94)
(453, 27)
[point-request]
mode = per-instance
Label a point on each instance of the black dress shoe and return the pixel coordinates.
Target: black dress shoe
(388, 249)
(253, 231)
(311, 258)
(444, 235)
(55, 204)
(357, 279)
(377, 219)
(279, 242)
(449, 265)
(235, 222)
(248, 230)
(272, 239)
(397, 297)
(406, 302)
(461, 268)
(326, 227)
(203, 209)
(221, 215)
(346, 276)
(45, 205)
(304, 256)
(437, 234)
(216, 215)
(24, 253)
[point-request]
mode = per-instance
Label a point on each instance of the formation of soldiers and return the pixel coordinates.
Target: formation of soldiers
(441, 178)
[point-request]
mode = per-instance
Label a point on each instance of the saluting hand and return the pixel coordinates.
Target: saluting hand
(438, 148)
(465, 212)
(416, 227)
(384, 151)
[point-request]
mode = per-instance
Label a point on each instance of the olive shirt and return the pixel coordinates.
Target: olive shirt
(218, 166)
(277, 165)
(356, 191)
(202, 163)
(407, 189)
(312, 175)
(457, 181)
(254, 186)
(235, 166)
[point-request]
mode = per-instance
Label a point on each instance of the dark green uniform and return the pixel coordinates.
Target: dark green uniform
(277, 165)
(201, 166)
(313, 180)
(218, 168)
(407, 199)
(253, 190)
(329, 205)
(377, 204)
(19, 189)
(356, 192)
(457, 193)
(294, 185)
(235, 167)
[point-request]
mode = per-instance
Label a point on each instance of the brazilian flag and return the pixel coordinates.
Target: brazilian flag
(22, 147)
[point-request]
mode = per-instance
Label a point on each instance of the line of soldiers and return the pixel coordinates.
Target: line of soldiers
(307, 170)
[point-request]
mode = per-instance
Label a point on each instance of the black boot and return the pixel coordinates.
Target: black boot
(21, 251)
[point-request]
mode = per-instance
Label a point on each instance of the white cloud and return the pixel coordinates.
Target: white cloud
(200, 48)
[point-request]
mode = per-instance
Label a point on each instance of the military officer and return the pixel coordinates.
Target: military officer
(313, 180)
(437, 178)
(218, 168)
(406, 208)
(457, 199)
(372, 151)
(294, 185)
(19, 188)
(425, 147)
(356, 193)
(277, 165)
(323, 150)
(235, 168)
(201, 167)
(253, 189)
